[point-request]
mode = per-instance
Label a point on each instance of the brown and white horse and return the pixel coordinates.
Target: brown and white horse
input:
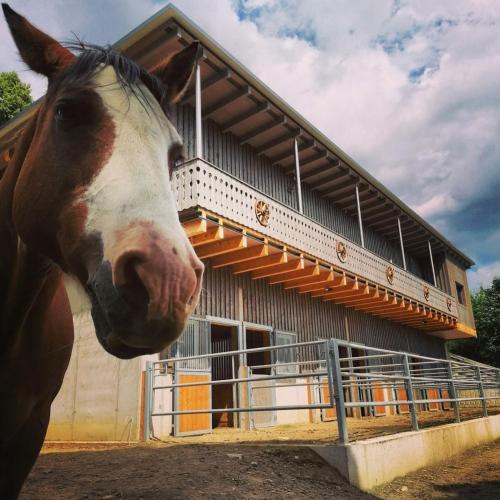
(86, 202)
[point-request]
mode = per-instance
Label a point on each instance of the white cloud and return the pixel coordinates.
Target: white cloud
(483, 275)
(346, 67)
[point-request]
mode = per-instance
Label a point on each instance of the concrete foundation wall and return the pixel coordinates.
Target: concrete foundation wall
(100, 397)
(372, 462)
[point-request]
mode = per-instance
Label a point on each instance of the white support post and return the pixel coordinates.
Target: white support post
(432, 263)
(199, 139)
(360, 221)
(297, 175)
(401, 243)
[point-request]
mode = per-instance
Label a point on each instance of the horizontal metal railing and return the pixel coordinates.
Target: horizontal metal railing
(364, 381)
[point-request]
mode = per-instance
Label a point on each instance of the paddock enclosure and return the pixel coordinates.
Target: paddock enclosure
(304, 250)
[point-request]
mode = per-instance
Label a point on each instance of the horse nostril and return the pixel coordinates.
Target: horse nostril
(128, 280)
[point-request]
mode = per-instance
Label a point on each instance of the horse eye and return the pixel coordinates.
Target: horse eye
(59, 112)
(69, 112)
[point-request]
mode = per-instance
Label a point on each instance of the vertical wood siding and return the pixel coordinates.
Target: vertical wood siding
(310, 318)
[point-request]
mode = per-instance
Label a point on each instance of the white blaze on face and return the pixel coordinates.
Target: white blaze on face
(134, 185)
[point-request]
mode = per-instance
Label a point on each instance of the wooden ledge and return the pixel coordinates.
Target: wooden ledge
(247, 251)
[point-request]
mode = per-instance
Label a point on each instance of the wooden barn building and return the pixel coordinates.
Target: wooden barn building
(299, 241)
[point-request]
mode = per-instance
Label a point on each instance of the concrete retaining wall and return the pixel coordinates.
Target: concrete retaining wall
(375, 461)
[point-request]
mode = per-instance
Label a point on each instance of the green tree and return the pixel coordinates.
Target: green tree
(486, 347)
(14, 95)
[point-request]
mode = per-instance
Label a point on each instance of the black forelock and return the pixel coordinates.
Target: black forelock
(90, 58)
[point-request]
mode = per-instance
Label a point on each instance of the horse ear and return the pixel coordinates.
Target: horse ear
(177, 71)
(39, 51)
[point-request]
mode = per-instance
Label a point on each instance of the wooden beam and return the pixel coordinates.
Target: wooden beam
(361, 291)
(244, 91)
(260, 263)
(237, 120)
(312, 280)
(349, 285)
(367, 298)
(386, 302)
(223, 246)
(303, 146)
(243, 255)
(261, 129)
(322, 155)
(222, 75)
(195, 227)
(333, 281)
(212, 234)
(327, 182)
(391, 305)
(276, 142)
(293, 275)
(293, 265)
(327, 168)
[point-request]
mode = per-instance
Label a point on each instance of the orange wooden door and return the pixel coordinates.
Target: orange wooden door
(402, 396)
(432, 394)
(446, 395)
(379, 395)
(327, 413)
(193, 398)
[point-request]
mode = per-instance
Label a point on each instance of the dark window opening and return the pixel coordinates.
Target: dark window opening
(460, 293)
(258, 361)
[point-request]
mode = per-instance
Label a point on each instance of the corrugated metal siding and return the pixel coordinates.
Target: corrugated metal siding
(309, 318)
(224, 151)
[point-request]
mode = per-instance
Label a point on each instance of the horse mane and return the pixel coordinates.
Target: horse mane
(90, 59)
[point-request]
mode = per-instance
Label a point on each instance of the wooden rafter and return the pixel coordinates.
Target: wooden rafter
(348, 285)
(242, 255)
(366, 299)
(212, 234)
(294, 275)
(267, 272)
(222, 246)
(195, 227)
(333, 280)
(226, 244)
(319, 278)
(260, 263)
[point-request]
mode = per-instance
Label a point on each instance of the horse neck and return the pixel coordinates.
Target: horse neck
(23, 272)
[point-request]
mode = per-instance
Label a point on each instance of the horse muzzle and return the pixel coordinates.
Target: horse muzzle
(143, 296)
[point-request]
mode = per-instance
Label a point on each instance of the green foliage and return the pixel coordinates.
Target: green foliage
(14, 95)
(486, 347)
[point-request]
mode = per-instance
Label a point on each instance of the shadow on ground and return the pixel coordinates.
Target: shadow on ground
(189, 471)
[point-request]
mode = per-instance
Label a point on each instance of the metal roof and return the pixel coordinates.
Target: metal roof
(240, 103)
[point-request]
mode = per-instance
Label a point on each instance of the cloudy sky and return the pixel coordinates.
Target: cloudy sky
(409, 88)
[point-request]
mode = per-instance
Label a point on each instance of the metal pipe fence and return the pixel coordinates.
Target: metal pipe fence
(337, 376)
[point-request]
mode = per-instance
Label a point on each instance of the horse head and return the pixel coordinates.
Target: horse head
(93, 193)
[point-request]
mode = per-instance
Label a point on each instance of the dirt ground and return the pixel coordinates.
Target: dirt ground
(261, 464)
(474, 474)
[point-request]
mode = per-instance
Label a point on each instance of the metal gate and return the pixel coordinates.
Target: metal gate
(195, 341)
(396, 382)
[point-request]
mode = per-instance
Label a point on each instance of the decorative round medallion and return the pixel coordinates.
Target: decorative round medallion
(262, 212)
(448, 304)
(389, 274)
(427, 293)
(341, 251)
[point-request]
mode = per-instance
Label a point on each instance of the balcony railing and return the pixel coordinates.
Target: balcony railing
(200, 184)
